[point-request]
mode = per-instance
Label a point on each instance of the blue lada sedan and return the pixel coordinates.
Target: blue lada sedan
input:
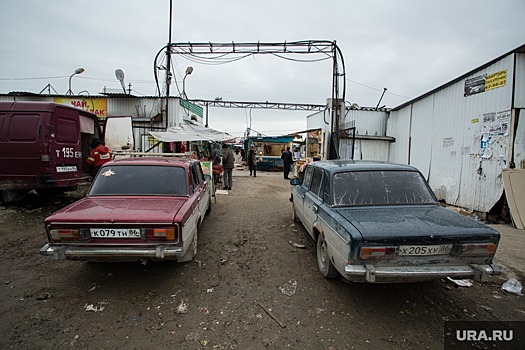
(381, 222)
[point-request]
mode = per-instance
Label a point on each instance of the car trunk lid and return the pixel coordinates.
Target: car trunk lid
(121, 210)
(421, 224)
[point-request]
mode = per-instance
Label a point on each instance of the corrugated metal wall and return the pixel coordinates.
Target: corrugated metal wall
(370, 149)
(442, 134)
(366, 122)
(519, 90)
(370, 143)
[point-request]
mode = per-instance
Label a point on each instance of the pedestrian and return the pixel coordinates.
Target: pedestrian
(227, 163)
(287, 162)
(252, 161)
(243, 155)
(216, 154)
(99, 156)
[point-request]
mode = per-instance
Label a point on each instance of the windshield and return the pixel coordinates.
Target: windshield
(140, 180)
(380, 188)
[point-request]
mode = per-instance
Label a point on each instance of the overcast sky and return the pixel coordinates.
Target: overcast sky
(406, 46)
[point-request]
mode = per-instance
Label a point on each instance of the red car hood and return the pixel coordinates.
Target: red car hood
(121, 209)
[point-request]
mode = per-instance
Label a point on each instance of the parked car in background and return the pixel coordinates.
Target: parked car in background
(380, 222)
(136, 208)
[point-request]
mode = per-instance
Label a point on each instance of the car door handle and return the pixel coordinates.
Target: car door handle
(315, 209)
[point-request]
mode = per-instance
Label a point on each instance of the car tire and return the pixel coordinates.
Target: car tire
(192, 250)
(326, 267)
(294, 215)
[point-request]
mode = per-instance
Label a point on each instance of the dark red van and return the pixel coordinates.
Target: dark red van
(43, 146)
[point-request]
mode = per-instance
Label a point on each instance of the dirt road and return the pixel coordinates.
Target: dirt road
(248, 288)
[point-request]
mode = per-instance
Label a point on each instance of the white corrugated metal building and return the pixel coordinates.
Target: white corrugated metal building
(459, 135)
(462, 134)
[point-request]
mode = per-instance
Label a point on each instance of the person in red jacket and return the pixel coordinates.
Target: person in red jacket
(99, 156)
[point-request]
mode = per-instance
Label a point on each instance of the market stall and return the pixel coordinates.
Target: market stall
(269, 150)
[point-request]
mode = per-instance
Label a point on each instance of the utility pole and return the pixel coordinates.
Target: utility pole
(168, 72)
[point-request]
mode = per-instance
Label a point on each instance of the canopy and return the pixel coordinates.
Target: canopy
(191, 132)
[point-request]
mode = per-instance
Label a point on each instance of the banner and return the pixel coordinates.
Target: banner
(208, 174)
(485, 82)
(97, 106)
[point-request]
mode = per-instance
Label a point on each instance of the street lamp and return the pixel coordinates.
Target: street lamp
(189, 70)
(78, 71)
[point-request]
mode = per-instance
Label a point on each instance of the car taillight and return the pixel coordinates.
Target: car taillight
(45, 157)
(162, 234)
(474, 249)
(377, 252)
(64, 234)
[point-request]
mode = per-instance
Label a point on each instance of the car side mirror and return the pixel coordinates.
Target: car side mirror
(295, 181)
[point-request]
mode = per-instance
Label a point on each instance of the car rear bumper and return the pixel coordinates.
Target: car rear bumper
(111, 253)
(371, 273)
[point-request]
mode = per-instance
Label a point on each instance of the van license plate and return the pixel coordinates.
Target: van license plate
(66, 169)
(425, 249)
(115, 233)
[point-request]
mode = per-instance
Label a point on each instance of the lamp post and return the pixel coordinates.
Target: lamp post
(189, 70)
(77, 71)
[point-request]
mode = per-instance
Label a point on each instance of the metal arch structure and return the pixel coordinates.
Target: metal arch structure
(257, 105)
(230, 52)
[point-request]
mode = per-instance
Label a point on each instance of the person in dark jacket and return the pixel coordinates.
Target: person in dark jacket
(99, 156)
(252, 161)
(216, 164)
(228, 163)
(287, 162)
(216, 154)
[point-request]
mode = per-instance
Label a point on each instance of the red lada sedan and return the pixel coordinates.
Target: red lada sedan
(136, 209)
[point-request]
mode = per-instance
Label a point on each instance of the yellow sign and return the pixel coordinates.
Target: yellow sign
(98, 106)
(496, 80)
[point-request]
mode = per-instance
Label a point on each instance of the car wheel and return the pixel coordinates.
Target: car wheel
(192, 250)
(294, 214)
(326, 267)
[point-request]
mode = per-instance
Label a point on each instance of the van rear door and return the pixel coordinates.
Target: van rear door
(65, 148)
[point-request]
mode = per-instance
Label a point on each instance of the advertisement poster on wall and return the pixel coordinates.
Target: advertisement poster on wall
(98, 106)
(486, 82)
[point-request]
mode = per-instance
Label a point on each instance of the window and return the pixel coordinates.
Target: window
(308, 177)
(66, 130)
(380, 188)
(317, 181)
(24, 127)
(140, 180)
(195, 176)
(200, 174)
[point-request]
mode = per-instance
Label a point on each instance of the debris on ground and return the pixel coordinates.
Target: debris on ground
(95, 308)
(269, 312)
(297, 245)
(461, 283)
(289, 289)
(513, 286)
(182, 308)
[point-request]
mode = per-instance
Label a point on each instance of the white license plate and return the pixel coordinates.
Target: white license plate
(66, 169)
(115, 233)
(425, 249)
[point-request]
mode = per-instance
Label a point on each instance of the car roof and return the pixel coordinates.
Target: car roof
(164, 161)
(360, 165)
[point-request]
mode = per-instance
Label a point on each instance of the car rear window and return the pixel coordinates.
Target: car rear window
(380, 188)
(140, 180)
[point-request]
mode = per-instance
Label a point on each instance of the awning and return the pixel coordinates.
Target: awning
(189, 131)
